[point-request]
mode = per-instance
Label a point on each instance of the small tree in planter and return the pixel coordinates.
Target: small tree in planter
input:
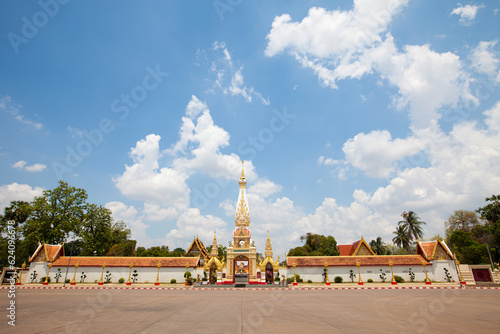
(82, 277)
(108, 277)
(382, 275)
(447, 275)
(412, 275)
(134, 276)
(58, 275)
(352, 275)
(338, 279)
(33, 276)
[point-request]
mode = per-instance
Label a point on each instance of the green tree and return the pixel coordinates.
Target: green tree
(402, 238)
(468, 250)
(461, 220)
(413, 225)
(19, 212)
(222, 253)
(316, 245)
(378, 246)
(491, 212)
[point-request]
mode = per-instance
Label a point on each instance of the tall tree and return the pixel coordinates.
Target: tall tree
(402, 238)
(18, 212)
(378, 246)
(461, 220)
(316, 245)
(413, 225)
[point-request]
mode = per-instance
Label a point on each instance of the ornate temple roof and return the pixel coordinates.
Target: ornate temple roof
(357, 248)
(434, 250)
(242, 214)
(197, 247)
(47, 253)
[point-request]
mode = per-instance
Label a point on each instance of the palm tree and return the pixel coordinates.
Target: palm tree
(412, 224)
(401, 239)
(378, 246)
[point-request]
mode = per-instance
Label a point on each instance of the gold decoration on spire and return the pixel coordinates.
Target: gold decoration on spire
(269, 248)
(242, 212)
(243, 181)
(214, 252)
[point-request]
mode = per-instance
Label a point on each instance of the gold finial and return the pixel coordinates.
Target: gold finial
(242, 178)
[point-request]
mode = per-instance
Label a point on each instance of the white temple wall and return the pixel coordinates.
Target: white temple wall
(435, 272)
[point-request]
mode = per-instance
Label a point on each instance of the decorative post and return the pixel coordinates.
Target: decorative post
(294, 277)
(187, 270)
(47, 278)
(102, 274)
(360, 281)
(73, 281)
(462, 281)
(393, 282)
(21, 273)
(158, 274)
(427, 280)
(327, 282)
(130, 273)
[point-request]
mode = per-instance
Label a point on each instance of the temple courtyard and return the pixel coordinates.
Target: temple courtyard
(444, 309)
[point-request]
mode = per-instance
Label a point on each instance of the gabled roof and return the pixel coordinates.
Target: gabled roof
(350, 261)
(197, 247)
(358, 248)
(125, 261)
(47, 253)
(434, 250)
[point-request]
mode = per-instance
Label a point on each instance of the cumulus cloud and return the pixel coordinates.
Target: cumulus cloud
(350, 44)
(467, 13)
(33, 168)
(264, 188)
(485, 60)
(18, 192)
(129, 215)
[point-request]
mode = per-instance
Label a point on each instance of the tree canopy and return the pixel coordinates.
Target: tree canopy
(316, 245)
(64, 215)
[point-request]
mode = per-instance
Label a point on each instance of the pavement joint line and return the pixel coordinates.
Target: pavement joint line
(251, 289)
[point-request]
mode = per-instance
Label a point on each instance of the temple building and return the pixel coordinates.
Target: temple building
(357, 262)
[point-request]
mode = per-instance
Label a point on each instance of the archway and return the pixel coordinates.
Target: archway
(212, 277)
(269, 273)
(240, 269)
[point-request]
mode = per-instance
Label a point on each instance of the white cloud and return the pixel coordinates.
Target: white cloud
(350, 44)
(485, 60)
(129, 215)
(375, 152)
(191, 224)
(17, 192)
(467, 13)
(146, 181)
(33, 168)
(6, 105)
(228, 76)
(264, 188)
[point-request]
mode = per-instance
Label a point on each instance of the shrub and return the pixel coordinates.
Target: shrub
(276, 279)
(399, 279)
(121, 280)
(370, 280)
(309, 281)
(299, 280)
(173, 280)
(289, 280)
(187, 274)
(338, 279)
(67, 280)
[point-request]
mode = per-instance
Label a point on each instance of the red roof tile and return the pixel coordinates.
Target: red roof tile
(346, 250)
(381, 260)
(118, 261)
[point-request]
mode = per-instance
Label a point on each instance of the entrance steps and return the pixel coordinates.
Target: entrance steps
(467, 274)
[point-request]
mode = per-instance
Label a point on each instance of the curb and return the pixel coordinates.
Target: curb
(254, 289)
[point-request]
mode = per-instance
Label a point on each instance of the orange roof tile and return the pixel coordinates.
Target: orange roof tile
(426, 249)
(118, 261)
(346, 250)
(51, 252)
(380, 260)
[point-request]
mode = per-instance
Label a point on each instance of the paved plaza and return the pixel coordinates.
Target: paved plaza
(254, 311)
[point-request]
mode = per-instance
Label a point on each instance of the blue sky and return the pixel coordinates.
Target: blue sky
(346, 113)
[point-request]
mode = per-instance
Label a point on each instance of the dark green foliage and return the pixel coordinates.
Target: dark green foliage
(447, 275)
(467, 249)
(42, 279)
(173, 281)
(33, 276)
(383, 276)
(338, 279)
(370, 280)
(412, 275)
(121, 280)
(67, 280)
(107, 278)
(134, 276)
(378, 246)
(399, 279)
(58, 275)
(352, 275)
(309, 281)
(316, 245)
(82, 277)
